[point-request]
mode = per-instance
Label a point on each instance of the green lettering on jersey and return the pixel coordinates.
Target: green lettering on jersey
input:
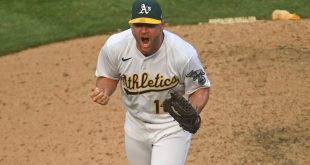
(136, 84)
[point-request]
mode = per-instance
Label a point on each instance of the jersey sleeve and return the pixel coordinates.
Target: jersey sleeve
(106, 64)
(195, 76)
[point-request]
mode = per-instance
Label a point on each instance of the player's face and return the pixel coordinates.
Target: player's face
(148, 37)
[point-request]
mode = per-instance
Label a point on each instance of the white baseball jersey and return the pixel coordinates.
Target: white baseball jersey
(145, 81)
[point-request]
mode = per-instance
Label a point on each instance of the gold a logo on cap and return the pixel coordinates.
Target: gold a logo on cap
(145, 9)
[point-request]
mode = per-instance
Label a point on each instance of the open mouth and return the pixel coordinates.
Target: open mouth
(145, 41)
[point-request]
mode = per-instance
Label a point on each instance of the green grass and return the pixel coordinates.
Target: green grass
(29, 23)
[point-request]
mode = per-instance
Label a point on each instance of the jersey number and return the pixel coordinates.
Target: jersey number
(157, 106)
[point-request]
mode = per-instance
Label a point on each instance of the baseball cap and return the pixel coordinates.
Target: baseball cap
(146, 11)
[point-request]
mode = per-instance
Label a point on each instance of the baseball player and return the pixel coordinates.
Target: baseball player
(147, 62)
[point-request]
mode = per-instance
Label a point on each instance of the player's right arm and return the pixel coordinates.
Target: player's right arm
(105, 87)
(107, 72)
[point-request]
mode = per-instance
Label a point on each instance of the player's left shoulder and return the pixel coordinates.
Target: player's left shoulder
(178, 47)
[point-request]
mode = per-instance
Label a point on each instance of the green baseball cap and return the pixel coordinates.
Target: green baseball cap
(146, 11)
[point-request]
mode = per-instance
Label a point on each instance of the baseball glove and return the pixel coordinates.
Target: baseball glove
(183, 112)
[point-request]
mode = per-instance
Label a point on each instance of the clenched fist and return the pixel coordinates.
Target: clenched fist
(99, 96)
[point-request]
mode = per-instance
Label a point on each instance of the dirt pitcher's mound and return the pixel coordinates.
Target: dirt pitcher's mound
(258, 112)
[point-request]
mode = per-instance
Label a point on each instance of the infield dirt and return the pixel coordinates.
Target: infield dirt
(258, 112)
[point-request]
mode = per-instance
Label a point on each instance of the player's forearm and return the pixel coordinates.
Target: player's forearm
(107, 84)
(200, 98)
